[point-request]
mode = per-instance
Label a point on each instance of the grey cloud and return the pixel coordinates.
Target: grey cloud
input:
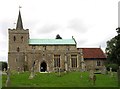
(77, 25)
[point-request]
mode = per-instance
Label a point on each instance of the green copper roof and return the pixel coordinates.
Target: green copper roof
(52, 42)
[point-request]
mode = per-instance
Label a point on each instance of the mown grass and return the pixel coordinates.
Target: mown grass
(72, 79)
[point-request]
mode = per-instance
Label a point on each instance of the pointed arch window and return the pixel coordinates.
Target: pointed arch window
(73, 60)
(56, 60)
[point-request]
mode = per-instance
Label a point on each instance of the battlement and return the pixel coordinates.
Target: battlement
(18, 31)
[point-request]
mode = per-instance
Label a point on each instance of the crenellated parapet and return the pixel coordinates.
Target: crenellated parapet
(15, 31)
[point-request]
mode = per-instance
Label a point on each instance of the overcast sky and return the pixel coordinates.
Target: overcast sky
(91, 22)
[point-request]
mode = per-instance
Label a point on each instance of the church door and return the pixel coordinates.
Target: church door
(43, 67)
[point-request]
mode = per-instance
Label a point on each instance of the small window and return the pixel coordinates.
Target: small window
(14, 38)
(18, 49)
(33, 47)
(15, 59)
(22, 38)
(44, 47)
(98, 63)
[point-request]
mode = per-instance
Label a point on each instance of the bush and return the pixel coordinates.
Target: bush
(3, 65)
(113, 66)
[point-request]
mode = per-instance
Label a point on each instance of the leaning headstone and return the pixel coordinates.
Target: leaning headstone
(8, 78)
(92, 77)
(32, 73)
(118, 72)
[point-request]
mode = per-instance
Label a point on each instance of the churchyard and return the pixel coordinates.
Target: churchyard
(71, 79)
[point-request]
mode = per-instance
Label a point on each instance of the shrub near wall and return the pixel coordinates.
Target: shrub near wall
(113, 66)
(3, 65)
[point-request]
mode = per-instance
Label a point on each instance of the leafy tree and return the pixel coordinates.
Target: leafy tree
(117, 48)
(110, 49)
(0, 65)
(113, 49)
(58, 36)
(3, 65)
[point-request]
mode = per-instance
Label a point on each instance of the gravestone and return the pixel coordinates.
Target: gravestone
(110, 69)
(18, 70)
(118, 72)
(32, 73)
(92, 77)
(111, 73)
(59, 71)
(91, 73)
(4, 70)
(81, 76)
(8, 78)
(104, 70)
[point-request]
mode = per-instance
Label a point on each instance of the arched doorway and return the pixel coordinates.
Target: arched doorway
(43, 66)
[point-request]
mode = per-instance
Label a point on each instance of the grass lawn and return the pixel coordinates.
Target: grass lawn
(71, 79)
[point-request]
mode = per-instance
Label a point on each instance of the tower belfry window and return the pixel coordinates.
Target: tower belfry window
(18, 49)
(22, 38)
(14, 38)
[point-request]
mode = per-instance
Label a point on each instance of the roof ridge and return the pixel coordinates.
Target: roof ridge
(52, 41)
(46, 38)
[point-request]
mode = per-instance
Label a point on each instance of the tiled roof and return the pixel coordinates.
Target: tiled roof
(93, 53)
(52, 42)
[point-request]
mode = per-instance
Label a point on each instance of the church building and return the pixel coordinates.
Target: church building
(49, 54)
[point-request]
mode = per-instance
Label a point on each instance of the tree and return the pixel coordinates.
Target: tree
(113, 49)
(3, 65)
(117, 48)
(58, 36)
(110, 49)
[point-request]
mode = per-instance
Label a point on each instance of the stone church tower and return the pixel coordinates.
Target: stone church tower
(18, 42)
